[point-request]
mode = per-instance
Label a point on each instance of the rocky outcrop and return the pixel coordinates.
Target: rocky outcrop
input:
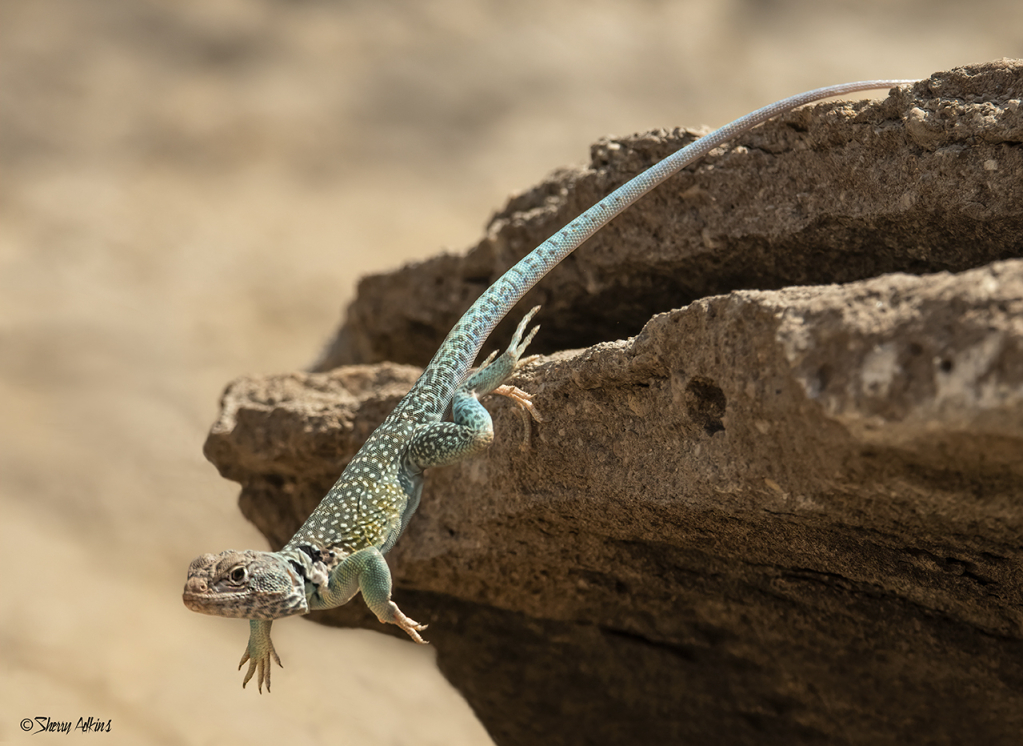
(925, 181)
(772, 516)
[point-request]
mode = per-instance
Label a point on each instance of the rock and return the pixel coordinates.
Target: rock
(830, 193)
(772, 516)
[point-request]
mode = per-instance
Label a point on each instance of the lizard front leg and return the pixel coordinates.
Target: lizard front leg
(258, 653)
(366, 570)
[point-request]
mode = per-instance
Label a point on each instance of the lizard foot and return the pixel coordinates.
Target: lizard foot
(518, 344)
(411, 626)
(259, 664)
(524, 400)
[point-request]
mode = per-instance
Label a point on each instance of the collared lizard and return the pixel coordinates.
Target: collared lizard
(339, 550)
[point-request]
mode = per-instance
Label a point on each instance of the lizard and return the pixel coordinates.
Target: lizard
(339, 550)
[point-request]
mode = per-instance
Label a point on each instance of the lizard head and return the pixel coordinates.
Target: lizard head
(247, 585)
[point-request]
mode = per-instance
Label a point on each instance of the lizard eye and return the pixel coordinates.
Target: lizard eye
(238, 575)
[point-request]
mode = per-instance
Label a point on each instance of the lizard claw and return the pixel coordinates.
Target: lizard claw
(259, 664)
(524, 400)
(488, 361)
(518, 344)
(411, 626)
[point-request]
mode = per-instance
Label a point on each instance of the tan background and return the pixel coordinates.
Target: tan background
(189, 191)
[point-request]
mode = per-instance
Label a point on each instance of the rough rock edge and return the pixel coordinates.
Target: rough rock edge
(799, 511)
(890, 180)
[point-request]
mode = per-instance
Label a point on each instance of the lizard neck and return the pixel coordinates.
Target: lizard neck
(314, 565)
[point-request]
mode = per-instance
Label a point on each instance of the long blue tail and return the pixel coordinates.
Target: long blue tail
(433, 390)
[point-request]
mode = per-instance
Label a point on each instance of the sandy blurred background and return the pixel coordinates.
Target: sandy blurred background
(189, 191)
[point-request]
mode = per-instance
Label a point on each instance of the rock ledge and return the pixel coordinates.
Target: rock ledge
(773, 516)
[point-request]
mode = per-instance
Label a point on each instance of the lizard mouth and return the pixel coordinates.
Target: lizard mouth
(199, 602)
(196, 602)
(239, 605)
(221, 604)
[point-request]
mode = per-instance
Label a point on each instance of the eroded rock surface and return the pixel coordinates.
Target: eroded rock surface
(925, 181)
(773, 516)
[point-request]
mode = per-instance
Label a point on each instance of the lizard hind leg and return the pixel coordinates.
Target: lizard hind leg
(490, 377)
(522, 399)
(472, 429)
(524, 402)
